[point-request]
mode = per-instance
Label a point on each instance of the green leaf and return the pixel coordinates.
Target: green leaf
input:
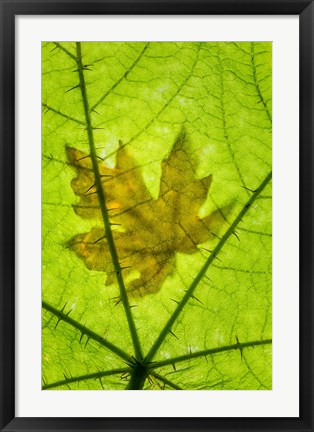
(178, 135)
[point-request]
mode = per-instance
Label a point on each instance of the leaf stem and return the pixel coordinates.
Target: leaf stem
(86, 331)
(165, 381)
(104, 211)
(211, 351)
(138, 377)
(58, 45)
(167, 328)
(96, 375)
(49, 108)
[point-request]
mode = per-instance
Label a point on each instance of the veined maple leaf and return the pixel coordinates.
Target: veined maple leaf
(151, 230)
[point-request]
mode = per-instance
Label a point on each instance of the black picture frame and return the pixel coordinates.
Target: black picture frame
(9, 9)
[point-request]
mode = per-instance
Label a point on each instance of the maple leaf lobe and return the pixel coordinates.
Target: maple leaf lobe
(152, 230)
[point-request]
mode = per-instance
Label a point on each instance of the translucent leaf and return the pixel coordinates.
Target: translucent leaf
(156, 215)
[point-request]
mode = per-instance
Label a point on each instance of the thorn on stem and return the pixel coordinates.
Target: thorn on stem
(73, 88)
(59, 319)
(240, 348)
(91, 187)
(236, 235)
(100, 380)
(216, 235)
(90, 193)
(206, 277)
(83, 157)
(101, 238)
(171, 332)
(207, 250)
(217, 257)
(248, 189)
(195, 298)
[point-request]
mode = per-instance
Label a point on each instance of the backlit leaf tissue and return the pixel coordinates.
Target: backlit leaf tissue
(156, 215)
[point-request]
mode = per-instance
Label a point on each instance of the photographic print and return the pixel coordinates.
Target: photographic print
(156, 215)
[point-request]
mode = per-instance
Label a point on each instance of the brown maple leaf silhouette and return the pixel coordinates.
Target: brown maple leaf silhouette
(151, 230)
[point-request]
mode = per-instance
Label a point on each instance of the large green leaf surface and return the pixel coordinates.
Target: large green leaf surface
(209, 324)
